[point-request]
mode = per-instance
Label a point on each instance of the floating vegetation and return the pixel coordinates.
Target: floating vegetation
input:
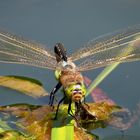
(26, 85)
(37, 121)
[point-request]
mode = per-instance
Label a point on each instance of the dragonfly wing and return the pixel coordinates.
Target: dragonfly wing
(14, 49)
(122, 46)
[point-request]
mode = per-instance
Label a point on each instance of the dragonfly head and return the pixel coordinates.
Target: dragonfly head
(76, 92)
(60, 52)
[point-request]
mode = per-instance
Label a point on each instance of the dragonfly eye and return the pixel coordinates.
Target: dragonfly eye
(60, 52)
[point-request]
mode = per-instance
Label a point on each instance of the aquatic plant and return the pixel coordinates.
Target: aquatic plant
(34, 122)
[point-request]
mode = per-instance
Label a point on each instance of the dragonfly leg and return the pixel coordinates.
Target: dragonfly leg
(58, 107)
(76, 116)
(70, 112)
(52, 94)
(77, 107)
(69, 109)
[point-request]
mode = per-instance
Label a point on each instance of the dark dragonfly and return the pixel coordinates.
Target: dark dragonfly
(121, 46)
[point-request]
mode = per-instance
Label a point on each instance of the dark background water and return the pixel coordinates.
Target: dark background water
(73, 22)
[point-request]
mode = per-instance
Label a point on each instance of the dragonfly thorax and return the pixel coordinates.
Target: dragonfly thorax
(64, 66)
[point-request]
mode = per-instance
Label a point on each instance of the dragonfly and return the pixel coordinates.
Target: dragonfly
(118, 47)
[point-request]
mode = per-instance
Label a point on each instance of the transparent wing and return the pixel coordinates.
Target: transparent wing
(122, 46)
(14, 49)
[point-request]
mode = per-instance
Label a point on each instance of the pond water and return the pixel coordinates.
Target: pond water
(74, 22)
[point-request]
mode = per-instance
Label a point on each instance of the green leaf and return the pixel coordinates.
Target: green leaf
(26, 85)
(64, 132)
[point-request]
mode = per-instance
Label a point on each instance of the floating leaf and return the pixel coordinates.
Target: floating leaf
(28, 86)
(14, 135)
(123, 119)
(38, 121)
(95, 115)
